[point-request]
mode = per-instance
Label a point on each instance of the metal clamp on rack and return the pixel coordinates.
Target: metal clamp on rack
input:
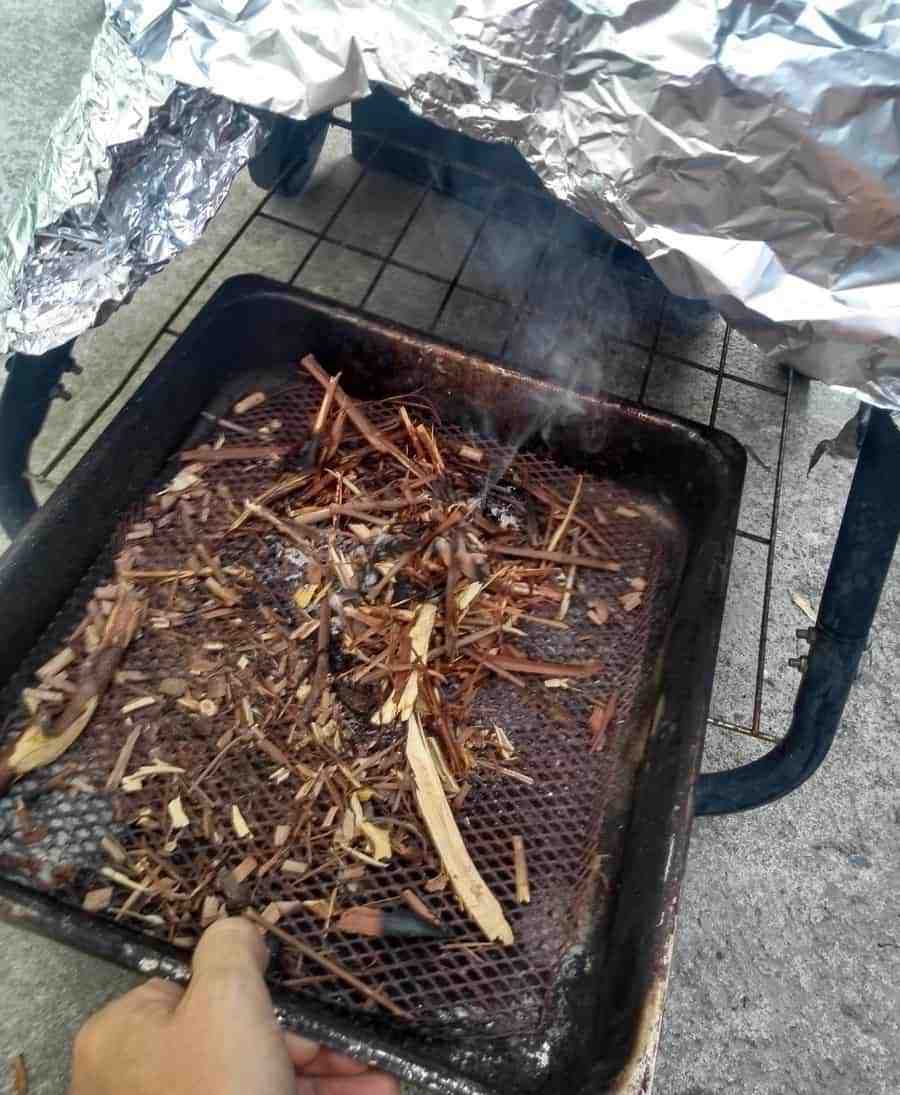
(859, 565)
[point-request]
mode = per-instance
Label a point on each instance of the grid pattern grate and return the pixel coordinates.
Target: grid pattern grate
(561, 816)
(494, 263)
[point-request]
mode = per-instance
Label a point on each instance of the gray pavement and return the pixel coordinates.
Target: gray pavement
(44, 51)
(787, 963)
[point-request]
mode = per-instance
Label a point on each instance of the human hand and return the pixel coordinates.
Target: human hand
(217, 1037)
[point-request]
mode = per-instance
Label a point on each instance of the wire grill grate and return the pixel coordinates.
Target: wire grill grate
(588, 272)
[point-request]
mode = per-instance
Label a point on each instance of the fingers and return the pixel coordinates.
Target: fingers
(322, 1071)
(153, 999)
(369, 1083)
(317, 1060)
(156, 993)
(301, 1051)
(108, 1046)
(328, 1063)
(220, 1035)
(152, 1002)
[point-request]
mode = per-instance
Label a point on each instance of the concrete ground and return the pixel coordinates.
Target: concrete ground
(44, 50)
(787, 963)
(788, 957)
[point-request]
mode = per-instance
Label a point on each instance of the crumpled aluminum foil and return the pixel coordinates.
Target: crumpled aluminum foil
(132, 173)
(749, 150)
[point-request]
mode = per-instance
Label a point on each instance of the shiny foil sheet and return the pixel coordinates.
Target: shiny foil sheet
(750, 151)
(133, 172)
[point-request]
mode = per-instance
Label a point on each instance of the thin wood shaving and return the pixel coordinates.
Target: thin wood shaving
(122, 880)
(177, 816)
(113, 849)
(38, 744)
(122, 761)
(601, 720)
(294, 866)
(97, 900)
(138, 704)
(271, 913)
(56, 664)
(562, 557)
(226, 596)
(523, 891)
(544, 669)
(470, 452)
(18, 1075)
(361, 920)
(241, 828)
(468, 884)
(379, 841)
(245, 868)
(805, 605)
(564, 524)
(254, 399)
(418, 906)
(598, 612)
(631, 600)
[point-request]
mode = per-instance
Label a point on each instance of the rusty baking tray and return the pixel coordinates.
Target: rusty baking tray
(577, 1002)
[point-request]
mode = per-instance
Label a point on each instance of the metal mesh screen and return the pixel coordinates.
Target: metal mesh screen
(462, 982)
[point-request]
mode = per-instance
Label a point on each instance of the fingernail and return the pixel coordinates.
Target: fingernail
(234, 934)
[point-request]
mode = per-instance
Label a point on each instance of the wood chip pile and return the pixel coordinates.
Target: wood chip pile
(324, 651)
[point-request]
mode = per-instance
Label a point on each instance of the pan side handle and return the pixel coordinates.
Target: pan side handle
(859, 565)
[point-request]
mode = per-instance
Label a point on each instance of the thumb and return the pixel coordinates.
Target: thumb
(227, 1015)
(233, 944)
(228, 969)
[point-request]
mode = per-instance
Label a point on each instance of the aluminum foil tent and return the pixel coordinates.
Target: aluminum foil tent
(750, 151)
